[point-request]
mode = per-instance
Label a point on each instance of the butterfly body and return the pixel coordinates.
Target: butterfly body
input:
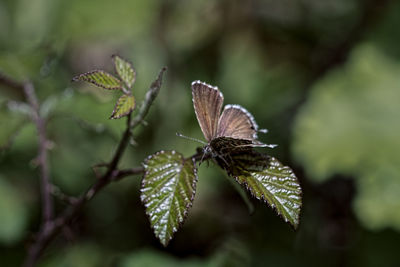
(237, 155)
(230, 134)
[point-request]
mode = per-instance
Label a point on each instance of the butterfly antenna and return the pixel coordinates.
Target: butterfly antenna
(202, 158)
(191, 138)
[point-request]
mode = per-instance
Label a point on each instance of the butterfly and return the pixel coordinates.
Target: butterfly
(230, 135)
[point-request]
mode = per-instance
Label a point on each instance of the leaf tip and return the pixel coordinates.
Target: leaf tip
(114, 57)
(164, 242)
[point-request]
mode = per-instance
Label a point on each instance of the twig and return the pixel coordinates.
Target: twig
(118, 175)
(45, 186)
(50, 230)
(40, 123)
(7, 81)
(149, 98)
(56, 191)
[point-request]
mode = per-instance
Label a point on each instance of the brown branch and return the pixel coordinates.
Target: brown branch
(45, 186)
(40, 123)
(56, 192)
(9, 82)
(118, 175)
(50, 230)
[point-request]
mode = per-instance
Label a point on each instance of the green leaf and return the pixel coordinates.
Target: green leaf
(100, 78)
(125, 105)
(125, 70)
(276, 185)
(168, 189)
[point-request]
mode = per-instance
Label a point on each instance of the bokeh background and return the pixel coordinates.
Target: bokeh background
(322, 76)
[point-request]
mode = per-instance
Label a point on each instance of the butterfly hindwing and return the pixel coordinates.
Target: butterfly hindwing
(207, 102)
(237, 155)
(236, 122)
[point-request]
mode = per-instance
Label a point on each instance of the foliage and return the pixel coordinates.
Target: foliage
(168, 189)
(126, 103)
(278, 186)
(355, 133)
(101, 79)
(124, 106)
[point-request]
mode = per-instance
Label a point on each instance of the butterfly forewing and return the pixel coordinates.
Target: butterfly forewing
(237, 122)
(207, 102)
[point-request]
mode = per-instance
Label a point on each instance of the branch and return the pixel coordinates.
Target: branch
(40, 123)
(56, 191)
(42, 158)
(50, 230)
(149, 98)
(9, 82)
(127, 172)
(45, 186)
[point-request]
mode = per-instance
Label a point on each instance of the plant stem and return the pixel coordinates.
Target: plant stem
(51, 228)
(45, 185)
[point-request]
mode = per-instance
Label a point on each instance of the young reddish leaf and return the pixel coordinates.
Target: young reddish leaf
(276, 185)
(168, 189)
(125, 70)
(100, 78)
(125, 104)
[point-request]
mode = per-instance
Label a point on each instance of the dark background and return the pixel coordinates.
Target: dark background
(322, 76)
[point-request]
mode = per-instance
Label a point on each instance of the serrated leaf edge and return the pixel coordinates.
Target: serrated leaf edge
(130, 64)
(77, 78)
(264, 200)
(112, 117)
(188, 206)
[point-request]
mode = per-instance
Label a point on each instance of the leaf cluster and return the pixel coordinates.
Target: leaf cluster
(127, 75)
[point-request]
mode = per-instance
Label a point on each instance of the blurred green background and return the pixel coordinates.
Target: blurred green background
(322, 76)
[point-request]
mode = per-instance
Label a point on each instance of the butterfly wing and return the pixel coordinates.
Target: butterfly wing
(237, 122)
(207, 102)
(226, 145)
(237, 155)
